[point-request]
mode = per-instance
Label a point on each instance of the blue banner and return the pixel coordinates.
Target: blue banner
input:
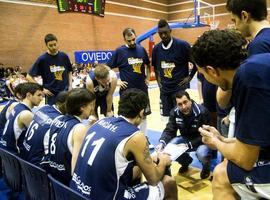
(92, 56)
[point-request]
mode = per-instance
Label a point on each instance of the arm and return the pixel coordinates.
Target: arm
(1, 108)
(148, 73)
(89, 85)
(77, 140)
(109, 97)
(189, 77)
(30, 78)
(157, 75)
(154, 64)
(223, 97)
(170, 130)
(246, 155)
(8, 83)
(138, 147)
(25, 118)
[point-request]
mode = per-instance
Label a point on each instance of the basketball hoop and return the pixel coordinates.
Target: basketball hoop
(214, 24)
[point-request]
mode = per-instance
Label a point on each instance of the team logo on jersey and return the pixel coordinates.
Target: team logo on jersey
(85, 189)
(57, 71)
(136, 64)
(167, 68)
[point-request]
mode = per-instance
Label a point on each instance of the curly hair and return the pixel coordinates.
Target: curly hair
(132, 101)
(224, 49)
(256, 8)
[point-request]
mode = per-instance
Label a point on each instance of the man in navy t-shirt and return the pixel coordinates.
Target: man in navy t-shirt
(55, 69)
(170, 60)
(132, 61)
(220, 57)
(250, 18)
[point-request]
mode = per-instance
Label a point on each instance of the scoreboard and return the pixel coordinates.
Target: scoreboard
(96, 7)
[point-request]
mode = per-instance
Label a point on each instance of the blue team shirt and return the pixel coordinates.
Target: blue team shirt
(251, 98)
(33, 144)
(100, 172)
(261, 43)
(58, 160)
(54, 70)
(3, 118)
(8, 140)
(131, 64)
(172, 64)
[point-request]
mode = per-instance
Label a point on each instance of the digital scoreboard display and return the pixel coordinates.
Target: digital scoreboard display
(96, 7)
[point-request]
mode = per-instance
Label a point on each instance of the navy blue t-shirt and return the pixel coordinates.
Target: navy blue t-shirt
(172, 64)
(33, 144)
(251, 98)
(261, 43)
(54, 70)
(208, 93)
(131, 64)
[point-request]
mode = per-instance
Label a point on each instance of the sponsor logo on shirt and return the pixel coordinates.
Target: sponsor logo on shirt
(167, 68)
(85, 189)
(136, 64)
(57, 71)
(129, 194)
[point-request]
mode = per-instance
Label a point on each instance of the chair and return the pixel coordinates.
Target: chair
(62, 192)
(37, 183)
(12, 170)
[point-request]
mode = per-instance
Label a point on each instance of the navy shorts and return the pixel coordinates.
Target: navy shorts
(102, 103)
(254, 184)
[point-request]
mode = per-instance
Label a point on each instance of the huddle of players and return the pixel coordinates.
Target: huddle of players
(114, 146)
(54, 138)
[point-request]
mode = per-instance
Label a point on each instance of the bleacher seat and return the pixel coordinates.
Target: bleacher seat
(62, 192)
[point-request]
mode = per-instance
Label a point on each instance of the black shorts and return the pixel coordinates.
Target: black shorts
(102, 103)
